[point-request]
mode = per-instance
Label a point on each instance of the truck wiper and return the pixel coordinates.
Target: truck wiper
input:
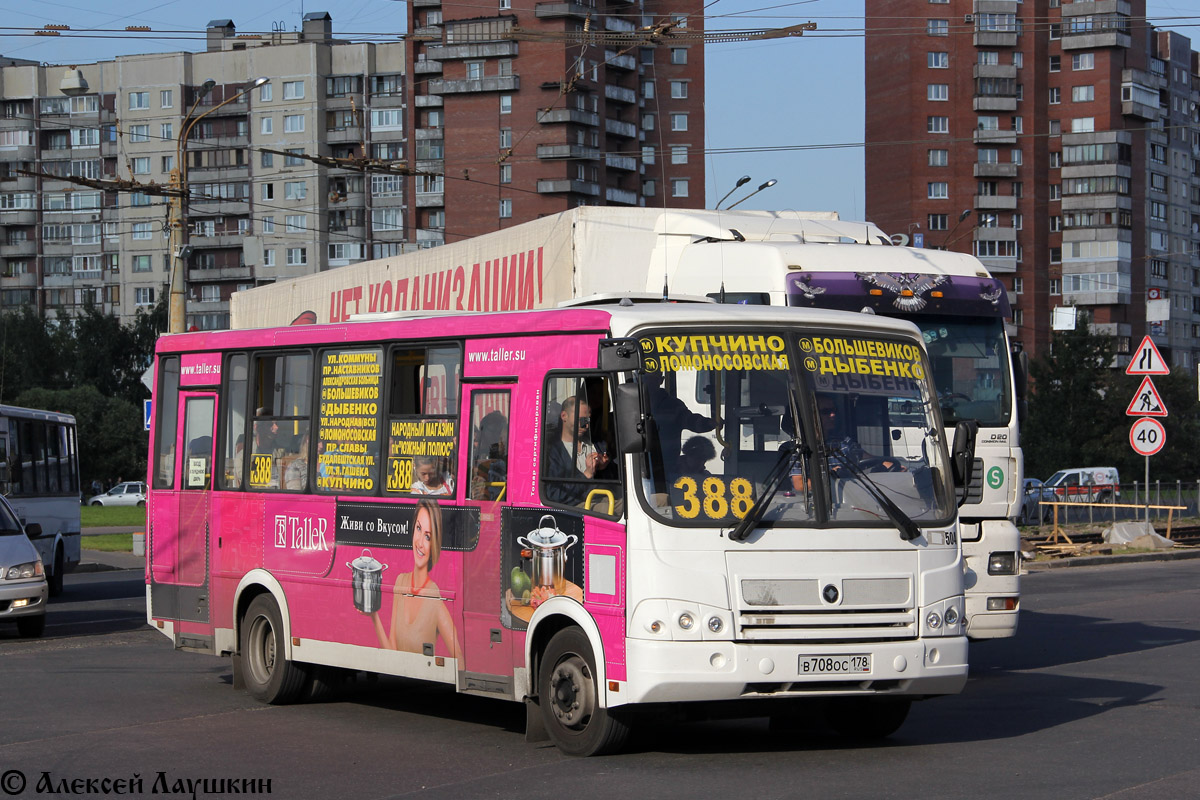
(788, 453)
(909, 529)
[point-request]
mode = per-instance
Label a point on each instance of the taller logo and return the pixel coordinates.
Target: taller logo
(300, 533)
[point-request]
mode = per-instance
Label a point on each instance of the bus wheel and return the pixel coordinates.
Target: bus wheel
(269, 676)
(867, 717)
(56, 577)
(569, 699)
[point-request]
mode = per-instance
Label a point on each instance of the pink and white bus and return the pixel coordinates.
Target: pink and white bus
(597, 510)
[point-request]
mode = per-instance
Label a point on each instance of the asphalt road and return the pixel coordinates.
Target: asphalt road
(1097, 697)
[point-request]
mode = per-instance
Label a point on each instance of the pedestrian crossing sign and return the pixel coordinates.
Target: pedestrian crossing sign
(1147, 402)
(1147, 360)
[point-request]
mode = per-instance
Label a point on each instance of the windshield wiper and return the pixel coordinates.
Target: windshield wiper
(909, 529)
(788, 452)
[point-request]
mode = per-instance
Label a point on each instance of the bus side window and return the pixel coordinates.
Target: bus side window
(167, 401)
(489, 445)
(233, 453)
(579, 465)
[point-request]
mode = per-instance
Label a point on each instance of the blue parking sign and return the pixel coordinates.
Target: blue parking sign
(146, 414)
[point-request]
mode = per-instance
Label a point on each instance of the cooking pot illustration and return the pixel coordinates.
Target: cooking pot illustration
(548, 550)
(367, 582)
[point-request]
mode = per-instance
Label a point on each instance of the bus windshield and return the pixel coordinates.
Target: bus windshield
(970, 368)
(824, 427)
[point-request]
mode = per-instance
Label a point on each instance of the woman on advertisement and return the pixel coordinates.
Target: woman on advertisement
(419, 615)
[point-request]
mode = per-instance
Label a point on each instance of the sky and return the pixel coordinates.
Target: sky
(786, 109)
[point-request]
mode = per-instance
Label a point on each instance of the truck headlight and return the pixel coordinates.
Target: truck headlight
(1002, 564)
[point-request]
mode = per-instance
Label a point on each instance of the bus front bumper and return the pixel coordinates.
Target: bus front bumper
(670, 672)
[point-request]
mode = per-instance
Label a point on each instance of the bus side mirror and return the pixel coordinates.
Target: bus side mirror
(962, 458)
(631, 429)
(619, 355)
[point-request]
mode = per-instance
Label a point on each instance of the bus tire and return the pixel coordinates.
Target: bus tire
(268, 674)
(55, 581)
(867, 717)
(569, 698)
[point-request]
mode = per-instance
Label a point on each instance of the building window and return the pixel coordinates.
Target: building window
(506, 208)
(988, 155)
(937, 91)
(166, 99)
(938, 27)
(295, 190)
(293, 158)
(679, 187)
(939, 158)
(139, 133)
(937, 124)
(1055, 95)
(297, 256)
(679, 122)
(679, 55)
(1055, 63)
(679, 154)
(647, 122)
(506, 104)
(1018, 60)
(293, 123)
(938, 190)
(143, 230)
(267, 125)
(139, 100)
(143, 295)
(268, 258)
(1083, 94)
(142, 263)
(648, 188)
(265, 92)
(1018, 221)
(987, 58)
(679, 90)
(1083, 61)
(938, 60)
(474, 70)
(1055, 127)
(293, 90)
(293, 223)
(1018, 157)
(937, 222)
(267, 191)
(268, 224)
(267, 159)
(141, 166)
(1083, 125)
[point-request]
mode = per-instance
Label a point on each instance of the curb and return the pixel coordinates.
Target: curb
(95, 566)
(1100, 561)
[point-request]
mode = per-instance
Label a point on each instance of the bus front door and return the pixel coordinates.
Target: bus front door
(179, 558)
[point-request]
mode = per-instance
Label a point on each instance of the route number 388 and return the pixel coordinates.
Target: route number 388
(714, 498)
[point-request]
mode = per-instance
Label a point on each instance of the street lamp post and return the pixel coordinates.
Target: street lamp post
(742, 181)
(177, 245)
(761, 186)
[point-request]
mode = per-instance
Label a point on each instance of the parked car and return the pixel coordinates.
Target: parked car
(130, 493)
(1033, 493)
(23, 588)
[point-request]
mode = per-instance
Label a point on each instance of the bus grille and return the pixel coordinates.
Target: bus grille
(792, 610)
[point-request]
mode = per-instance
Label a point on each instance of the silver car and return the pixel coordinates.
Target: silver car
(23, 589)
(130, 493)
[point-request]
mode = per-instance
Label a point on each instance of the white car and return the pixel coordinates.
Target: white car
(23, 589)
(130, 493)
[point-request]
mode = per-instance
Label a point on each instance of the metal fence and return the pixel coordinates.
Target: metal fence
(1115, 508)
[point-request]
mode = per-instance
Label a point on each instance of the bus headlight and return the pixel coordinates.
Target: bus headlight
(715, 624)
(951, 617)
(686, 621)
(934, 620)
(1002, 564)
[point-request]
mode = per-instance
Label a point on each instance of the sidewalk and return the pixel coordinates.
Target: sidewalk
(103, 560)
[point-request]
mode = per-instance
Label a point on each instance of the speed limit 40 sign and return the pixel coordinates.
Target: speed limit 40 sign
(1147, 436)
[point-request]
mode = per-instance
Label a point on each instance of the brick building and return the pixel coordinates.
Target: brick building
(1057, 142)
(504, 129)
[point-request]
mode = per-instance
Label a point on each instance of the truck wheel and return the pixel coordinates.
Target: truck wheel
(269, 676)
(867, 717)
(569, 698)
(55, 579)
(32, 627)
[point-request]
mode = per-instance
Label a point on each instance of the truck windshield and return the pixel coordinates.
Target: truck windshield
(735, 416)
(969, 358)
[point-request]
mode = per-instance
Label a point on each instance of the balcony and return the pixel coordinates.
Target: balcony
(241, 272)
(994, 170)
(998, 265)
(427, 67)
(1089, 41)
(21, 216)
(618, 128)
(995, 202)
(995, 71)
(995, 137)
(613, 161)
(457, 52)
(566, 185)
(431, 199)
(620, 60)
(620, 94)
(994, 103)
(495, 83)
(574, 115)
(995, 39)
(556, 151)
(428, 101)
(426, 3)
(568, 9)
(614, 195)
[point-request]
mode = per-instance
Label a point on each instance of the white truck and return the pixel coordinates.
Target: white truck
(753, 257)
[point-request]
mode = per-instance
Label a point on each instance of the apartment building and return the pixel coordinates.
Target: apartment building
(456, 148)
(1058, 142)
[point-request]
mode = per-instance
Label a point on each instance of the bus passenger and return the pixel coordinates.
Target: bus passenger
(573, 455)
(430, 480)
(671, 418)
(296, 474)
(419, 615)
